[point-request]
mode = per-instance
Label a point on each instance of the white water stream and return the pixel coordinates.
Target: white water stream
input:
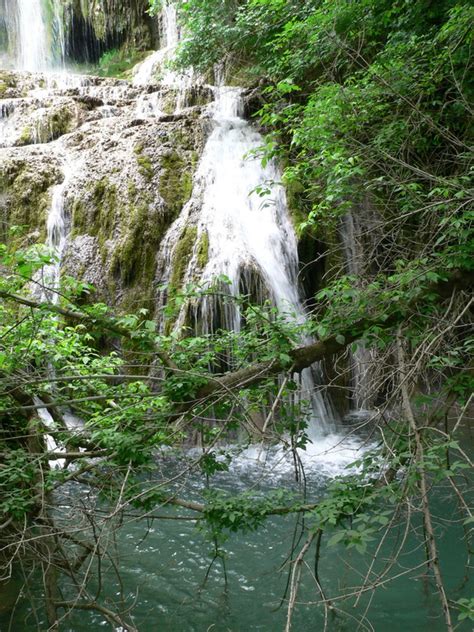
(35, 44)
(247, 234)
(155, 69)
(156, 62)
(56, 237)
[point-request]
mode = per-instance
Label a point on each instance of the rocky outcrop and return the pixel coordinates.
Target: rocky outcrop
(26, 178)
(129, 172)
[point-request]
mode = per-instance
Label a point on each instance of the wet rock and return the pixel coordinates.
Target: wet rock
(128, 175)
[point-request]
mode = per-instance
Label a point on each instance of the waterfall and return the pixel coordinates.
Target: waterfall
(361, 358)
(32, 44)
(237, 207)
(169, 30)
(244, 230)
(155, 67)
(58, 35)
(56, 239)
(248, 236)
(155, 62)
(51, 444)
(33, 41)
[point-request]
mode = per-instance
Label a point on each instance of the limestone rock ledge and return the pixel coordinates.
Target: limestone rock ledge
(127, 173)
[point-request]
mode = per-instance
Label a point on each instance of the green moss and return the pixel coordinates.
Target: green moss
(7, 80)
(49, 129)
(168, 104)
(145, 166)
(104, 197)
(25, 194)
(182, 256)
(134, 257)
(183, 138)
(176, 182)
(129, 216)
(97, 216)
(133, 223)
(203, 250)
(59, 123)
(25, 136)
(198, 96)
(119, 63)
(98, 20)
(132, 189)
(24, 202)
(133, 263)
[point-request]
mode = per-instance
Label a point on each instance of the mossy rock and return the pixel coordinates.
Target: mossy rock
(176, 181)
(96, 215)
(181, 257)
(7, 80)
(145, 165)
(59, 121)
(26, 197)
(133, 264)
(203, 250)
(129, 229)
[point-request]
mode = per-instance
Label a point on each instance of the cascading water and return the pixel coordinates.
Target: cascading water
(36, 45)
(156, 66)
(144, 73)
(56, 239)
(247, 234)
(362, 358)
(32, 43)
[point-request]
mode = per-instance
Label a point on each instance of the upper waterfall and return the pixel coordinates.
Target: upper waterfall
(169, 36)
(36, 44)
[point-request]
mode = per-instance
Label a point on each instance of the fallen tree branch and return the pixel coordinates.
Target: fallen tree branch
(304, 357)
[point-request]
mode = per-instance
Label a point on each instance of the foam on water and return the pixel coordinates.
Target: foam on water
(328, 457)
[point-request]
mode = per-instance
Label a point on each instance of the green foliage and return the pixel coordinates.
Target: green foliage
(241, 512)
(17, 484)
(126, 419)
(466, 608)
(119, 62)
(366, 103)
(132, 420)
(155, 7)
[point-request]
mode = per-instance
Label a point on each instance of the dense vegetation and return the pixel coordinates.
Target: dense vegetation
(367, 107)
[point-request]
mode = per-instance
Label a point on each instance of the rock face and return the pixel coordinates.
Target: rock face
(92, 27)
(129, 169)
